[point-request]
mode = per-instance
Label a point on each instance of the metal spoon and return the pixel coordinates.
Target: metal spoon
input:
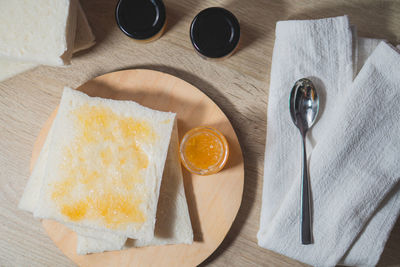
(304, 105)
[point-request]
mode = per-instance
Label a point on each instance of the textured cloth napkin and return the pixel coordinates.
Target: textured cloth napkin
(354, 146)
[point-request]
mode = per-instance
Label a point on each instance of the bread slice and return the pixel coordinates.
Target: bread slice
(172, 221)
(173, 224)
(41, 31)
(84, 39)
(84, 183)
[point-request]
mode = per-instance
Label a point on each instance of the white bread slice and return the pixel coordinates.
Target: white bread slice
(41, 31)
(172, 221)
(84, 39)
(145, 190)
(173, 224)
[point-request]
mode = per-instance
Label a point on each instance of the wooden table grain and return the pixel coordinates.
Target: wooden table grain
(239, 85)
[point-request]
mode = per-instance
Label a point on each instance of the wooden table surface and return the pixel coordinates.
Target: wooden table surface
(239, 85)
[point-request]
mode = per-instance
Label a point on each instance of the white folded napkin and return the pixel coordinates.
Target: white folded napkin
(368, 246)
(343, 191)
(321, 50)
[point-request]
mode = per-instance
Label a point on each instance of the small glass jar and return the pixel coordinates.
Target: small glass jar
(142, 20)
(204, 151)
(215, 33)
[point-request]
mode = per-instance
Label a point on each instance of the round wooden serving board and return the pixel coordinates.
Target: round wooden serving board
(213, 200)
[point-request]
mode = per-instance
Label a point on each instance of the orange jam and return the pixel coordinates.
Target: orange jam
(204, 151)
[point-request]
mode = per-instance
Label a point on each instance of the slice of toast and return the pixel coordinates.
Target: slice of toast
(41, 31)
(105, 164)
(172, 222)
(84, 39)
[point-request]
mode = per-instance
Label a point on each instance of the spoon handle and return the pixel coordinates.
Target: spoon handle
(305, 200)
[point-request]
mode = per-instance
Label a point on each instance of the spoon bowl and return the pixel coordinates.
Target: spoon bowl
(304, 106)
